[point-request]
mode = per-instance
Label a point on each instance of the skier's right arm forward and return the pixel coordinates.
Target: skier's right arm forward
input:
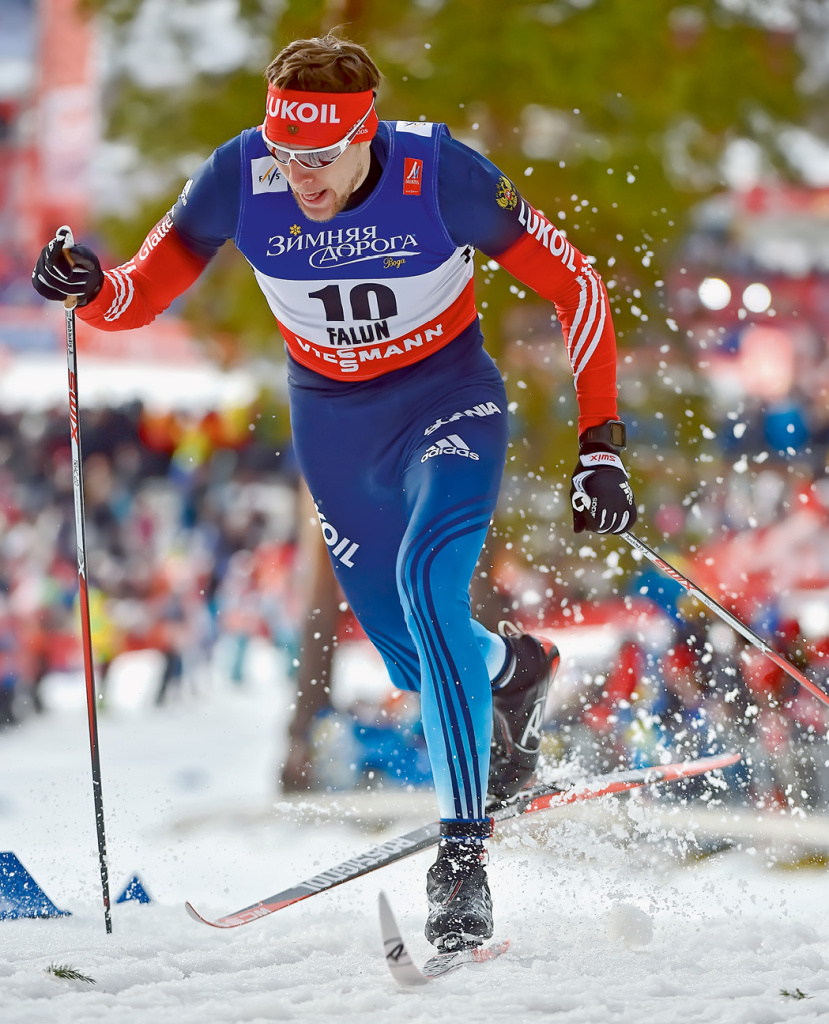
(171, 258)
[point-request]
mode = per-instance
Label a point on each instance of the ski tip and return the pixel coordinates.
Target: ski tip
(398, 960)
(686, 769)
(191, 910)
(730, 758)
(711, 763)
(388, 926)
(222, 922)
(388, 923)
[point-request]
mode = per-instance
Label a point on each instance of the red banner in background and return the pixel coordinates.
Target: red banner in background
(30, 330)
(164, 341)
(53, 179)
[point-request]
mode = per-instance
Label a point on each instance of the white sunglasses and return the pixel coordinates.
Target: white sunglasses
(315, 158)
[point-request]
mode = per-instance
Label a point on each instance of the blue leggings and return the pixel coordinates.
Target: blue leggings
(405, 472)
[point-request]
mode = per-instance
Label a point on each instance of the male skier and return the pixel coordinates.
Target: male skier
(361, 235)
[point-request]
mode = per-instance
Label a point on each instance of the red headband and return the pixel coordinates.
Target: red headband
(299, 118)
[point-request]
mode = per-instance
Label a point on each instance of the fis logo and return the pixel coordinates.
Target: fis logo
(451, 445)
(412, 176)
(423, 128)
(265, 176)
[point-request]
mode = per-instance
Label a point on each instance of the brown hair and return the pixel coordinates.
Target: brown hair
(323, 64)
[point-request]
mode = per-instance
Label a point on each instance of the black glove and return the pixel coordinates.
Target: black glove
(600, 495)
(54, 277)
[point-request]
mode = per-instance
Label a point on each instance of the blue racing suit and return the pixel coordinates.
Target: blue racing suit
(399, 417)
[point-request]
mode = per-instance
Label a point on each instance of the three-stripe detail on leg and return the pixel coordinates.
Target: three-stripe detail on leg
(456, 720)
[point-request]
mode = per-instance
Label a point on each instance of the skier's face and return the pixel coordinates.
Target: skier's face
(321, 192)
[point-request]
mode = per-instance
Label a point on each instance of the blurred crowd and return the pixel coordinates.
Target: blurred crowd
(705, 691)
(190, 537)
(680, 682)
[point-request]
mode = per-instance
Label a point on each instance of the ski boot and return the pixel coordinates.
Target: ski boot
(519, 697)
(460, 904)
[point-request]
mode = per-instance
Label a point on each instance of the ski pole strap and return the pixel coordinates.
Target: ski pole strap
(476, 828)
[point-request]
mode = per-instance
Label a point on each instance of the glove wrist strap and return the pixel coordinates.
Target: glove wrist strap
(612, 435)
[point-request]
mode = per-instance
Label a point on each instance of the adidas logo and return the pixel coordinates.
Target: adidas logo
(451, 445)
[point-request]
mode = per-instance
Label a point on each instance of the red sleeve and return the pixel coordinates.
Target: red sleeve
(137, 291)
(545, 261)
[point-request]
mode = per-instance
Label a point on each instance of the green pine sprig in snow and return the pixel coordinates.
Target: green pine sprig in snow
(65, 971)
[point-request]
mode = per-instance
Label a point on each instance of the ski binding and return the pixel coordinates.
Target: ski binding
(404, 970)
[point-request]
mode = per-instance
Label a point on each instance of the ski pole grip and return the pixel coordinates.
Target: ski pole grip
(64, 233)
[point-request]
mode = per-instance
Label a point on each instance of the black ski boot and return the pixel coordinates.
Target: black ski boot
(519, 697)
(460, 905)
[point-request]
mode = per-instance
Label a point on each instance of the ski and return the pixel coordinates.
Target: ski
(404, 970)
(538, 799)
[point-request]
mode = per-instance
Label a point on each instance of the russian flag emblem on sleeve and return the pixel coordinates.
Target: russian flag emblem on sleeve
(412, 175)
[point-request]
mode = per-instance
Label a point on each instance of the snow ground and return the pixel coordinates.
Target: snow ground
(604, 927)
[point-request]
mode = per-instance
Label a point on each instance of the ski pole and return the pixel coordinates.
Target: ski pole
(80, 536)
(726, 616)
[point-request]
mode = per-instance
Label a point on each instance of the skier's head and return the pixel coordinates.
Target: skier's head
(320, 120)
(320, 92)
(323, 64)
